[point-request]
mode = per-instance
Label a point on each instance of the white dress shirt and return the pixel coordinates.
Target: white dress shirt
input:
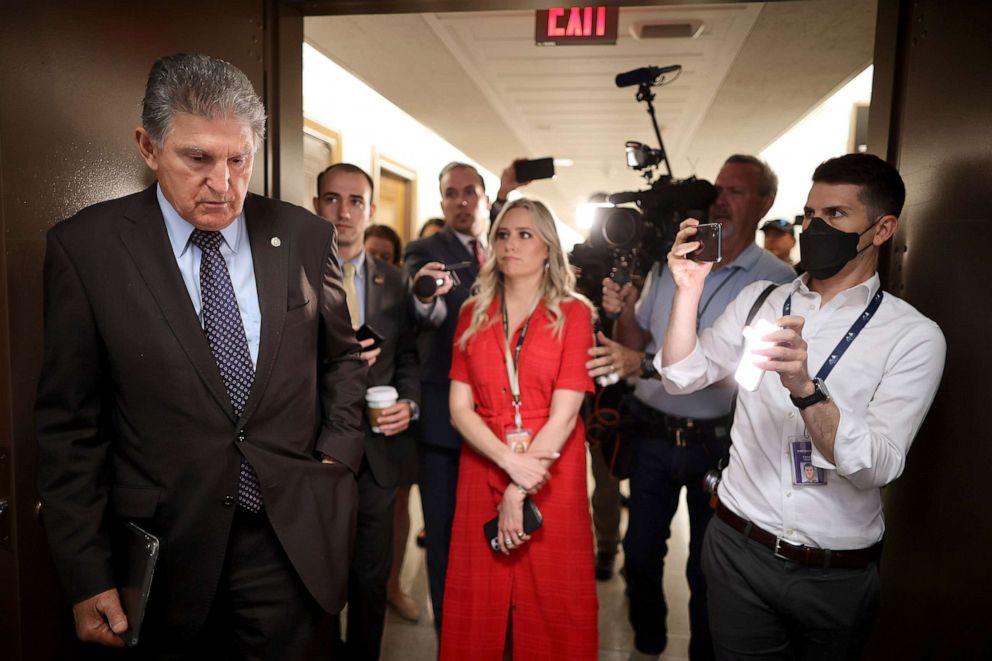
(883, 386)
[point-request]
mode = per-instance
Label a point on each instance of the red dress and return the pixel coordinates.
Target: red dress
(548, 584)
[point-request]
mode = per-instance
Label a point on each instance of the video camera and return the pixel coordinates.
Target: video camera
(637, 228)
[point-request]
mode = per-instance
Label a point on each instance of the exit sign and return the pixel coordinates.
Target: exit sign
(560, 26)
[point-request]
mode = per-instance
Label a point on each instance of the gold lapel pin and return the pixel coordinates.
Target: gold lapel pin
(276, 242)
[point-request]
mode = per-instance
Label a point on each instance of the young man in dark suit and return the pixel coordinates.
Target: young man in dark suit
(377, 297)
(201, 379)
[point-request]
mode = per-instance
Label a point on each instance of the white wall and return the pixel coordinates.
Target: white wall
(367, 122)
(823, 133)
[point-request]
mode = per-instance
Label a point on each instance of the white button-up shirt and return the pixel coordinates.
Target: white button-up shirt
(883, 386)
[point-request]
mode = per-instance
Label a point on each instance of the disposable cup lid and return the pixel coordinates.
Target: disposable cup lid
(379, 394)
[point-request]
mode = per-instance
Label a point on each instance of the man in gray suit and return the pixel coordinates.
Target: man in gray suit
(377, 297)
(201, 378)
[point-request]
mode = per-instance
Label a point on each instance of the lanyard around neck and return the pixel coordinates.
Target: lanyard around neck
(848, 338)
(512, 362)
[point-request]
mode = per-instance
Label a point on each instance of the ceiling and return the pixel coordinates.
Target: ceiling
(478, 81)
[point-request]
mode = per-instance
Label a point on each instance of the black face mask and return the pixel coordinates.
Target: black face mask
(824, 250)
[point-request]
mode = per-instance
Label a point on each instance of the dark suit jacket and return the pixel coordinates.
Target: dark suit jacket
(438, 332)
(387, 310)
(133, 420)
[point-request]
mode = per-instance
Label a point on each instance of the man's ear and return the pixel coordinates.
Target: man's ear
(316, 209)
(371, 212)
(767, 203)
(887, 226)
(146, 147)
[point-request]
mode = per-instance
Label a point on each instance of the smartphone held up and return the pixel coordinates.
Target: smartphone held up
(710, 237)
(531, 170)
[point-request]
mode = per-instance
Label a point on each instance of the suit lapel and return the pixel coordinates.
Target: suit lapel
(374, 281)
(271, 264)
(148, 243)
(458, 252)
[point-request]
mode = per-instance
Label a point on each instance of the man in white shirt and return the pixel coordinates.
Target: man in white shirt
(792, 564)
(677, 439)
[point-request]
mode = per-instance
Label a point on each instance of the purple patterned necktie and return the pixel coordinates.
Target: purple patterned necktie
(229, 344)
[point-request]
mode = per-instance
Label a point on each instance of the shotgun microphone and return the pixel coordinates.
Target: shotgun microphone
(644, 75)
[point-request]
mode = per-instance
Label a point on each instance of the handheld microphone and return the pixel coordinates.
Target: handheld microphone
(644, 75)
(426, 285)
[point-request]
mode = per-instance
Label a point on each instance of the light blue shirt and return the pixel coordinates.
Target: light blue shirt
(722, 287)
(359, 262)
(237, 255)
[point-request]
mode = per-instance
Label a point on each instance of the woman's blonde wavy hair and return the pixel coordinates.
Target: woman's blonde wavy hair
(557, 283)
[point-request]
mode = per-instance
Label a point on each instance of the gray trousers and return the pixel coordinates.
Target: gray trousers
(764, 607)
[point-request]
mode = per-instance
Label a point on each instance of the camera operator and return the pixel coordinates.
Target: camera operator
(680, 438)
(791, 559)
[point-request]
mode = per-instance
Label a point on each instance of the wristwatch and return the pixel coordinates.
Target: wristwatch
(820, 394)
(647, 367)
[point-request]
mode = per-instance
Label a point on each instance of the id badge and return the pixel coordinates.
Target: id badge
(804, 473)
(517, 439)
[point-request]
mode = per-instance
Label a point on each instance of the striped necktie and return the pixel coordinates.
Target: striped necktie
(480, 254)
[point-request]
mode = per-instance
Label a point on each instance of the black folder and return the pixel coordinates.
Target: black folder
(135, 555)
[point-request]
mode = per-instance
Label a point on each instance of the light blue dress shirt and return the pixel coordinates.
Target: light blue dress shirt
(722, 286)
(236, 251)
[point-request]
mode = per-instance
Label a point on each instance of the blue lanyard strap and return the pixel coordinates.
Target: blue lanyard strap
(848, 339)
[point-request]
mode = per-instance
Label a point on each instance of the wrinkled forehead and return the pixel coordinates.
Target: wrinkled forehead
(738, 175)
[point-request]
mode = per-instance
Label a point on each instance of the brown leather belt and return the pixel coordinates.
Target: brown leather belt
(804, 555)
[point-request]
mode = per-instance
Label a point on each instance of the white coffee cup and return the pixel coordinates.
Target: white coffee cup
(378, 398)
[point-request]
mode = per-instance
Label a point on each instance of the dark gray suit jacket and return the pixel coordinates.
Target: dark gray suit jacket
(438, 332)
(133, 420)
(388, 312)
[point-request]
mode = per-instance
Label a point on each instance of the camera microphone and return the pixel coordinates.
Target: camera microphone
(644, 75)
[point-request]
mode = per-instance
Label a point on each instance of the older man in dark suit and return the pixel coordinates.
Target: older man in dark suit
(202, 379)
(377, 297)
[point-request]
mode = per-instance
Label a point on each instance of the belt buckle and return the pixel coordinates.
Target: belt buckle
(778, 545)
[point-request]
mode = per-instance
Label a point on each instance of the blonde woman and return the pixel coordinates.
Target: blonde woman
(517, 385)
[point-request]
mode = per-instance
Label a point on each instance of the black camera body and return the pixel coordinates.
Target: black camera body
(627, 239)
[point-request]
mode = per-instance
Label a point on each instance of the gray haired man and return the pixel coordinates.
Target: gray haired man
(201, 380)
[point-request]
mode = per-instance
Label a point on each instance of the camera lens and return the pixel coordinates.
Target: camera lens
(620, 228)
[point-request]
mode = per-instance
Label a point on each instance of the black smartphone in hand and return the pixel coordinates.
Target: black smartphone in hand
(366, 332)
(710, 243)
(532, 521)
(539, 168)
